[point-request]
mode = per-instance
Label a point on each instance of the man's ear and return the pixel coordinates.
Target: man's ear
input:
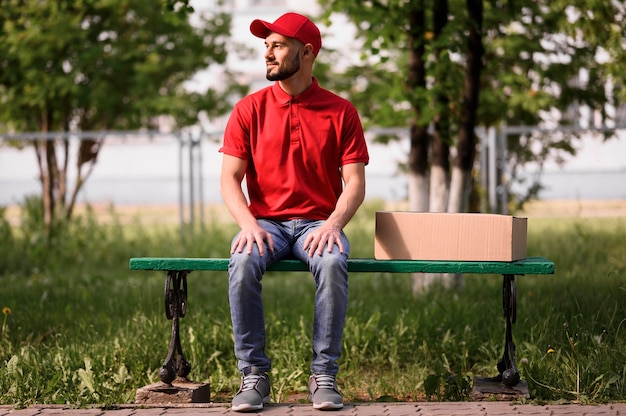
(308, 50)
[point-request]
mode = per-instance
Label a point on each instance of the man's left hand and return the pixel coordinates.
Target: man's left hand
(324, 236)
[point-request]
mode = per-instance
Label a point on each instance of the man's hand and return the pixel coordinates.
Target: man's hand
(352, 196)
(324, 236)
(248, 236)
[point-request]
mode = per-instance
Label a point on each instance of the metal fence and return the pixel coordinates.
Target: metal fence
(189, 161)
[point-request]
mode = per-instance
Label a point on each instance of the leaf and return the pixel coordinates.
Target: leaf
(432, 385)
(52, 383)
(12, 366)
(85, 376)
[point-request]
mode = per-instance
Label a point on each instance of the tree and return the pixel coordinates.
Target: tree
(537, 56)
(71, 65)
(414, 42)
(444, 67)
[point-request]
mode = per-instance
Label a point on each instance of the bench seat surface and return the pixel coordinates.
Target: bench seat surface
(530, 265)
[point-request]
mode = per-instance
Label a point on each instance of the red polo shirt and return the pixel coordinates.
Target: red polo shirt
(295, 147)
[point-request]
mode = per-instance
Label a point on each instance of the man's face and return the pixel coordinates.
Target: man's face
(282, 57)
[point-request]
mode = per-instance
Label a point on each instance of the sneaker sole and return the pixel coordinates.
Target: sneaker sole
(327, 406)
(247, 407)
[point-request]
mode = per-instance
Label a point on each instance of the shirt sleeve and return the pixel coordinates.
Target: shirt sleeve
(354, 147)
(237, 132)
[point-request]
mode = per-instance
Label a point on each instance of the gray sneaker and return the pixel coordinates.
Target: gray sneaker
(324, 392)
(253, 393)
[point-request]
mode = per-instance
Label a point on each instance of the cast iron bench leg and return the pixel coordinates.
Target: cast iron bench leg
(175, 308)
(507, 366)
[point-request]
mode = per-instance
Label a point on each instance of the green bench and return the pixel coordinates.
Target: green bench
(177, 270)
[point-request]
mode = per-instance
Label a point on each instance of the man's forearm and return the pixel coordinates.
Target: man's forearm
(236, 202)
(348, 203)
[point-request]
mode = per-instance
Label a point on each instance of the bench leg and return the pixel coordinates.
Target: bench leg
(507, 367)
(175, 308)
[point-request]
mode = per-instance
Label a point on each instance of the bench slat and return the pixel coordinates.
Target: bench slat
(530, 265)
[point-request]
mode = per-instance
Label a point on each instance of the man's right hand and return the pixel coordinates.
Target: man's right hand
(248, 237)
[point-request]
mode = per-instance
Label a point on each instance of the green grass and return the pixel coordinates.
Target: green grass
(79, 328)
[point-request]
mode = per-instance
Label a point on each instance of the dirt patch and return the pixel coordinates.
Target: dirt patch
(144, 214)
(172, 214)
(575, 208)
(558, 208)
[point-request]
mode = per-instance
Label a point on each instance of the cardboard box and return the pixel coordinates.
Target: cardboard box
(447, 236)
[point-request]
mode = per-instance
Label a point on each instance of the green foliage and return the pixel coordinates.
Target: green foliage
(79, 328)
(543, 61)
(90, 65)
(100, 64)
(535, 50)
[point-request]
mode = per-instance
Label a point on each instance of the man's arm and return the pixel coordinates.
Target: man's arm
(349, 201)
(233, 172)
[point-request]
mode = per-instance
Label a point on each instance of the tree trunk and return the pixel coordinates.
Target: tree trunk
(88, 150)
(62, 178)
(460, 187)
(51, 186)
(418, 174)
(418, 153)
(47, 159)
(440, 167)
(438, 203)
(466, 147)
(418, 192)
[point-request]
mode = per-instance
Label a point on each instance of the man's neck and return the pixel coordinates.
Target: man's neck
(296, 84)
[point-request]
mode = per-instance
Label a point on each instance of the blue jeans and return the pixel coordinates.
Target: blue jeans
(330, 272)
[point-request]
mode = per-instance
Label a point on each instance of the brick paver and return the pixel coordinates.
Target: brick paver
(352, 409)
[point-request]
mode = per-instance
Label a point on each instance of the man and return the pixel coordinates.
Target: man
(302, 152)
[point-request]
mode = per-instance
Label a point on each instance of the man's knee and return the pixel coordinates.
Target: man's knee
(331, 265)
(332, 260)
(244, 266)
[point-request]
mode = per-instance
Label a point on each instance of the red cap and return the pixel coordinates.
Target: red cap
(292, 25)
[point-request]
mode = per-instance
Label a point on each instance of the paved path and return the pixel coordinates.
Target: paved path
(357, 409)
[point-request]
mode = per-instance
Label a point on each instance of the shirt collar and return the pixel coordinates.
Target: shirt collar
(305, 98)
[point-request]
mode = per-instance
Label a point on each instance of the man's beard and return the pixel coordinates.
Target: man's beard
(286, 71)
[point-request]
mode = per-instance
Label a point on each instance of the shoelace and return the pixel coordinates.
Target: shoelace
(325, 382)
(249, 382)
